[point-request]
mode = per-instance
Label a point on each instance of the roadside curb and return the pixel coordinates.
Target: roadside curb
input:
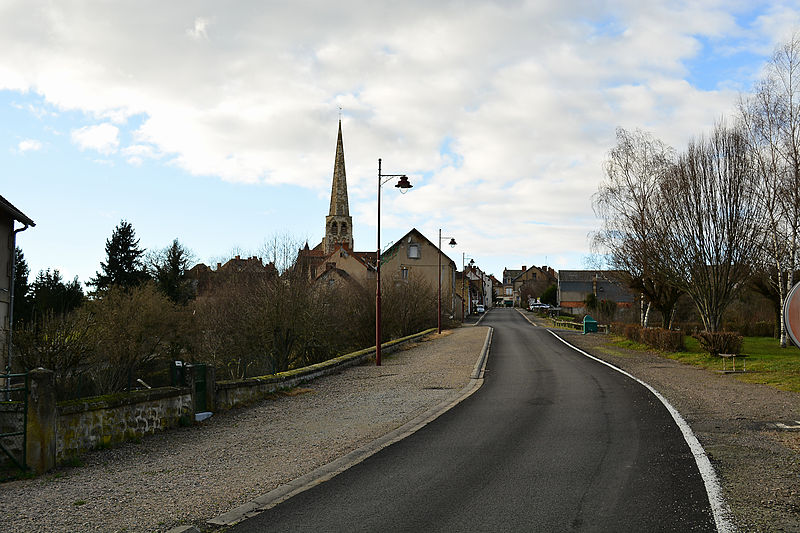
(330, 470)
(531, 322)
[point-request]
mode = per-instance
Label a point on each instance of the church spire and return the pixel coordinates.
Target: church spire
(338, 223)
(339, 203)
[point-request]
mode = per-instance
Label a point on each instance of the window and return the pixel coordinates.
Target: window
(413, 251)
(508, 291)
(334, 228)
(344, 228)
(404, 273)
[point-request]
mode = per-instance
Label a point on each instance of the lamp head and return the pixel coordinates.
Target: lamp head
(403, 184)
(452, 243)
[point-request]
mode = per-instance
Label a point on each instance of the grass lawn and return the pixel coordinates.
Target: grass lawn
(767, 362)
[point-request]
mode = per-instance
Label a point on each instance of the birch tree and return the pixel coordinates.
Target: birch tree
(712, 230)
(627, 202)
(771, 116)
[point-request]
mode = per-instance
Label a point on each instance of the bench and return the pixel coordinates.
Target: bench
(732, 358)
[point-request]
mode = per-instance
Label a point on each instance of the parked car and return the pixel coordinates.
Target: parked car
(479, 309)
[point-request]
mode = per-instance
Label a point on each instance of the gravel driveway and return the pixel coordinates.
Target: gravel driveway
(188, 475)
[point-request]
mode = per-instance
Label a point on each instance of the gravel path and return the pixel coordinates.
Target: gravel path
(758, 464)
(188, 475)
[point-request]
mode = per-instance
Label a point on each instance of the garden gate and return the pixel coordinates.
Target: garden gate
(13, 422)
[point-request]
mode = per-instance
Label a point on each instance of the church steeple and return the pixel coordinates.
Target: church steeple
(339, 204)
(338, 223)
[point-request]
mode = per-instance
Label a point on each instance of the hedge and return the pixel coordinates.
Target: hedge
(659, 338)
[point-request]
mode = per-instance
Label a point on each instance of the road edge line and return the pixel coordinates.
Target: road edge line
(328, 471)
(716, 500)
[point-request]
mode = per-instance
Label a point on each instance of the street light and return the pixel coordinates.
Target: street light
(452, 243)
(403, 184)
(463, 276)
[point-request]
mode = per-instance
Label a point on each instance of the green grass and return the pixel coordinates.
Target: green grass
(767, 363)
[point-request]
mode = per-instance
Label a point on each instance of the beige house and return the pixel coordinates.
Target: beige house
(532, 282)
(8, 216)
(414, 254)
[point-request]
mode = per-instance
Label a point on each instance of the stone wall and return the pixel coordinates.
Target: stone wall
(89, 423)
(58, 432)
(231, 394)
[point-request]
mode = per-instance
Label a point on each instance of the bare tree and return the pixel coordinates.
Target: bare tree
(771, 116)
(627, 201)
(709, 216)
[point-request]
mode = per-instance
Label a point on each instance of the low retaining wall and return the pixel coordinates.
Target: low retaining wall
(89, 423)
(231, 394)
(58, 432)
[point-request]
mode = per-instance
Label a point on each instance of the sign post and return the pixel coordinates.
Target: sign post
(791, 314)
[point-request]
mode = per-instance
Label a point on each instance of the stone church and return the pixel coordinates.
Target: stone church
(334, 260)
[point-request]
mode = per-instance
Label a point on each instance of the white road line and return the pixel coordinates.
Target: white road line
(718, 505)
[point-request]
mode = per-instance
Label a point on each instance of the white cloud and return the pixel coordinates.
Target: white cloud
(527, 93)
(29, 145)
(199, 31)
(103, 138)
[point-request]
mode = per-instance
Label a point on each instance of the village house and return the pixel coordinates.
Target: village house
(531, 283)
(415, 255)
(8, 216)
(204, 278)
(575, 285)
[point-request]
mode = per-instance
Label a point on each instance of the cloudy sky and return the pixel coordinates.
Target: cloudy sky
(215, 122)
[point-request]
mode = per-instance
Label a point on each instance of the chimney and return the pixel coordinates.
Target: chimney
(524, 268)
(219, 265)
(238, 258)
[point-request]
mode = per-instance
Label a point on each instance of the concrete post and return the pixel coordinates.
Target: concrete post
(189, 377)
(40, 438)
(211, 388)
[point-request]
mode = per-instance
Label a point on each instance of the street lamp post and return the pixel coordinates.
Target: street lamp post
(463, 276)
(439, 306)
(403, 184)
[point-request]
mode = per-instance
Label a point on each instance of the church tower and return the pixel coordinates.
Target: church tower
(338, 223)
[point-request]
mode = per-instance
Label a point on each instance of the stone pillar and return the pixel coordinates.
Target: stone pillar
(40, 438)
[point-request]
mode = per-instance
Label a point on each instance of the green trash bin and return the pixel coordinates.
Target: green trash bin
(589, 325)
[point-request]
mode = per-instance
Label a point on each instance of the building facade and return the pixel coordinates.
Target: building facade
(575, 285)
(9, 215)
(414, 255)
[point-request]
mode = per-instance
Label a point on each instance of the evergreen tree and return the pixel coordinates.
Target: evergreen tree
(51, 296)
(22, 289)
(124, 266)
(169, 272)
(550, 295)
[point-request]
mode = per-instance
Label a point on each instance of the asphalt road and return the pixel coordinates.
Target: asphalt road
(553, 441)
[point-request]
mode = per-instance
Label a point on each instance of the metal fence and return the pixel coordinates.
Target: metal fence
(13, 421)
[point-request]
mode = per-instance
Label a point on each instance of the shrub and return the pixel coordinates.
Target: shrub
(663, 339)
(719, 342)
(753, 329)
(659, 338)
(60, 343)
